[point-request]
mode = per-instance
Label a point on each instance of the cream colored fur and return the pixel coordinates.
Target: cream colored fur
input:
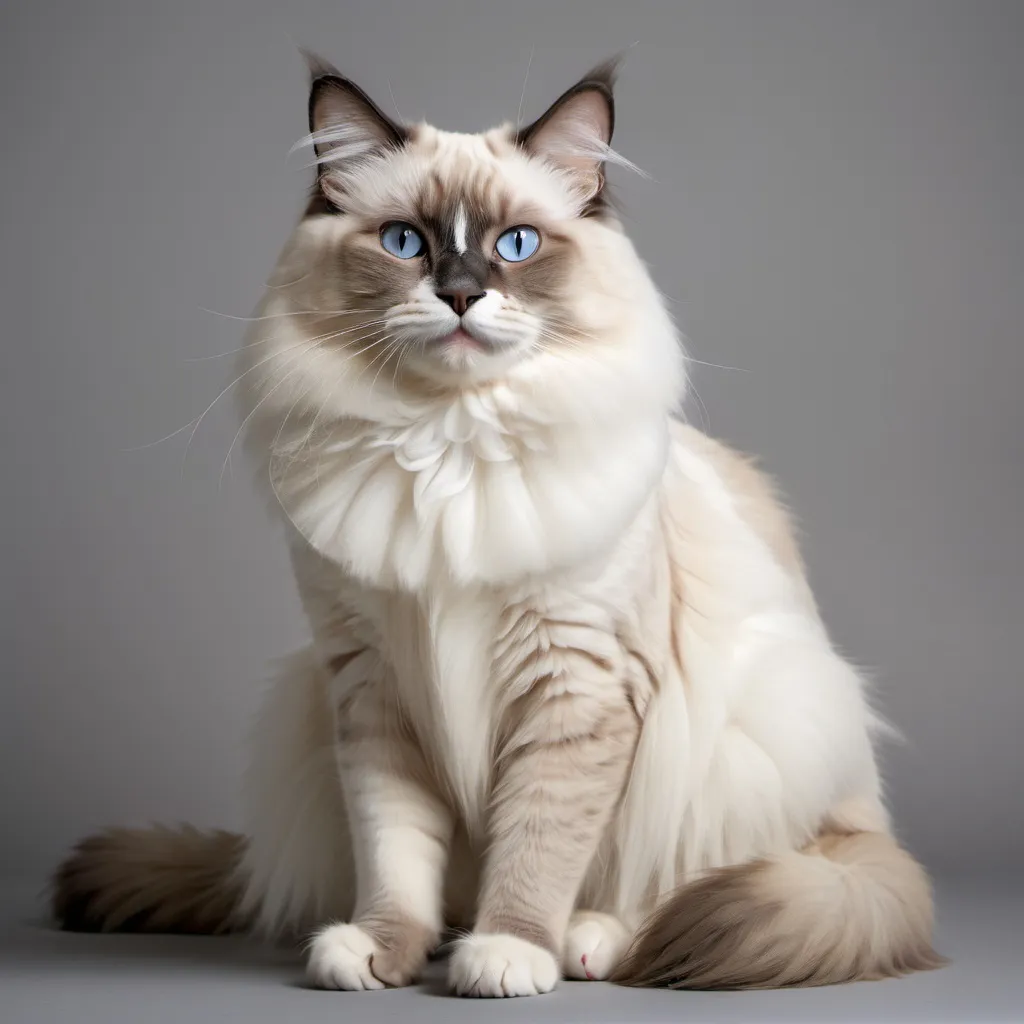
(565, 658)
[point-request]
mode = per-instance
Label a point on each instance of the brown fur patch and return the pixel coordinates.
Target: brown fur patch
(561, 767)
(151, 880)
(406, 943)
(792, 921)
(339, 661)
(318, 205)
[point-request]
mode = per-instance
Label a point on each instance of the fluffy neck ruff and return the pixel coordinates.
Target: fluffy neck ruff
(457, 496)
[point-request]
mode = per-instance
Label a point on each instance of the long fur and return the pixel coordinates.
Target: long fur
(850, 906)
(152, 880)
(568, 684)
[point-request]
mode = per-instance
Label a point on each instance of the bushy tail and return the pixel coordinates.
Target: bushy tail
(849, 907)
(152, 880)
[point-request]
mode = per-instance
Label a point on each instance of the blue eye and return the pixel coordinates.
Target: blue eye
(402, 240)
(517, 244)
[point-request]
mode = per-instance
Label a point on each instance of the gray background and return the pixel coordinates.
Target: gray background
(836, 211)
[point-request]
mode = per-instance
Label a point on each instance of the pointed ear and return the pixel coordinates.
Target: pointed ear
(343, 121)
(575, 132)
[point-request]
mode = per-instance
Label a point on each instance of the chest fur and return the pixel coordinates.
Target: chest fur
(458, 659)
(456, 498)
(441, 654)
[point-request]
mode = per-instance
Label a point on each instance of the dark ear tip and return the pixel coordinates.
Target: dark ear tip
(326, 79)
(317, 66)
(606, 73)
(600, 78)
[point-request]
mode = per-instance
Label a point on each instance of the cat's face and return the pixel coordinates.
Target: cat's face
(452, 258)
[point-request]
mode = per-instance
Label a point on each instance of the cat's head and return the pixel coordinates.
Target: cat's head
(432, 259)
(460, 364)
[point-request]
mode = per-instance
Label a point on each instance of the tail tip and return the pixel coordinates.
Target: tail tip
(149, 880)
(76, 885)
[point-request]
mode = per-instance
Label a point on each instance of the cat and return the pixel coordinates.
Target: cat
(568, 689)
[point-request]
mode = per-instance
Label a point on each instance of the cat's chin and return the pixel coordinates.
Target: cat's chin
(461, 359)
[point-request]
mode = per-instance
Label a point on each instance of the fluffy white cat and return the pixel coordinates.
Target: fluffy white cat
(568, 688)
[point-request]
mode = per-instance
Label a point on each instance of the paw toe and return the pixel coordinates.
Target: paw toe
(499, 966)
(341, 957)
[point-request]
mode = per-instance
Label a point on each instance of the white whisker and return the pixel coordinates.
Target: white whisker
(255, 366)
(294, 369)
(307, 439)
(522, 95)
(277, 337)
(717, 366)
(705, 415)
(289, 284)
(388, 352)
(153, 444)
(287, 417)
(287, 313)
(394, 102)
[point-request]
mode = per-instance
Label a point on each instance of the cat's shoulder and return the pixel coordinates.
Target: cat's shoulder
(753, 492)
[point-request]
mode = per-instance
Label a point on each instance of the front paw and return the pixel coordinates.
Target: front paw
(501, 965)
(349, 957)
(341, 957)
(594, 945)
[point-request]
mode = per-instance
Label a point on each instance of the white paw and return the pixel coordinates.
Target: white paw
(340, 957)
(501, 965)
(594, 945)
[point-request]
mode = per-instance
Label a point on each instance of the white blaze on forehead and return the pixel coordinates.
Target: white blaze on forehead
(461, 227)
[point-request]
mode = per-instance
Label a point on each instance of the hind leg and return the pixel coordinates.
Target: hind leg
(594, 945)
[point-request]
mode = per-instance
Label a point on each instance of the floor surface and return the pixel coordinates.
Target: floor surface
(51, 977)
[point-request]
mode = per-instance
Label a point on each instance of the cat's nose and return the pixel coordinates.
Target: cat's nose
(459, 300)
